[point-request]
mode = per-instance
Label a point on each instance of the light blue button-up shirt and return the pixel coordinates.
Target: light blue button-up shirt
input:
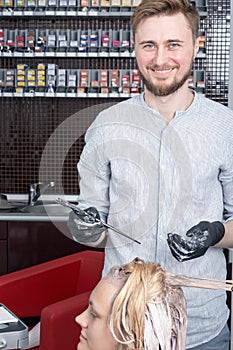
(148, 178)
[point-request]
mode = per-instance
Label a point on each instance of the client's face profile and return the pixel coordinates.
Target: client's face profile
(94, 321)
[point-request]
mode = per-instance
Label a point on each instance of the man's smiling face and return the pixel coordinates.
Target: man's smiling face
(165, 52)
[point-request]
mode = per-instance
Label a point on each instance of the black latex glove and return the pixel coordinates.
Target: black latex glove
(83, 227)
(200, 238)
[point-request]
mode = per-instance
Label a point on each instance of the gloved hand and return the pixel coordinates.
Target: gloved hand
(200, 238)
(83, 227)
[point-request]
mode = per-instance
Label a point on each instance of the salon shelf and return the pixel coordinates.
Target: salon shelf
(76, 54)
(80, 8)
(66, 95)
(65, 13)
(69, 13)
(68, 54)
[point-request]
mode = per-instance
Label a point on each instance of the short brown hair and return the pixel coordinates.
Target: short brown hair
(149, 8)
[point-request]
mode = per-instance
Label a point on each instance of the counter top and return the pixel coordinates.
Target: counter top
(44, 197)
(50, 213)
(17, 216)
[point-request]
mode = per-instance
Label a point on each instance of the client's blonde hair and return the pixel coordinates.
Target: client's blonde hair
(149, 312)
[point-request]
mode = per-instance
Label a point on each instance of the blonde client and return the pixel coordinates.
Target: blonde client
(139, 306)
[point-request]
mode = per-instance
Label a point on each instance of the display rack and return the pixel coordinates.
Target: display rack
(30, 114)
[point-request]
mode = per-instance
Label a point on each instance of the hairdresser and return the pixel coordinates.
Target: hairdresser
(159, 167)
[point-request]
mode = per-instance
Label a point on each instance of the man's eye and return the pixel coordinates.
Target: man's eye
(148, 46)
(174, 45)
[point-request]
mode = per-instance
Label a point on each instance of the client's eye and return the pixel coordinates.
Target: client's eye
(93, 314)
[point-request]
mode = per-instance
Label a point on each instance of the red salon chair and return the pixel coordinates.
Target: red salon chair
(55, 291)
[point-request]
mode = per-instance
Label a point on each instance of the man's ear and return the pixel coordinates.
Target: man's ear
(132, 41)
(196, 46)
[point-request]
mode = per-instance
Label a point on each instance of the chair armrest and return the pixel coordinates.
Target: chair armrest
(59, 330)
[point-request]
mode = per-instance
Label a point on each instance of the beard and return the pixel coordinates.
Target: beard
(164, 90)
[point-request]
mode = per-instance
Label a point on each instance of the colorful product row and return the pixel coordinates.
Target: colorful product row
(70, 3)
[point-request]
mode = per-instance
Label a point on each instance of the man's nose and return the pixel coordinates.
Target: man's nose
(160, 56)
